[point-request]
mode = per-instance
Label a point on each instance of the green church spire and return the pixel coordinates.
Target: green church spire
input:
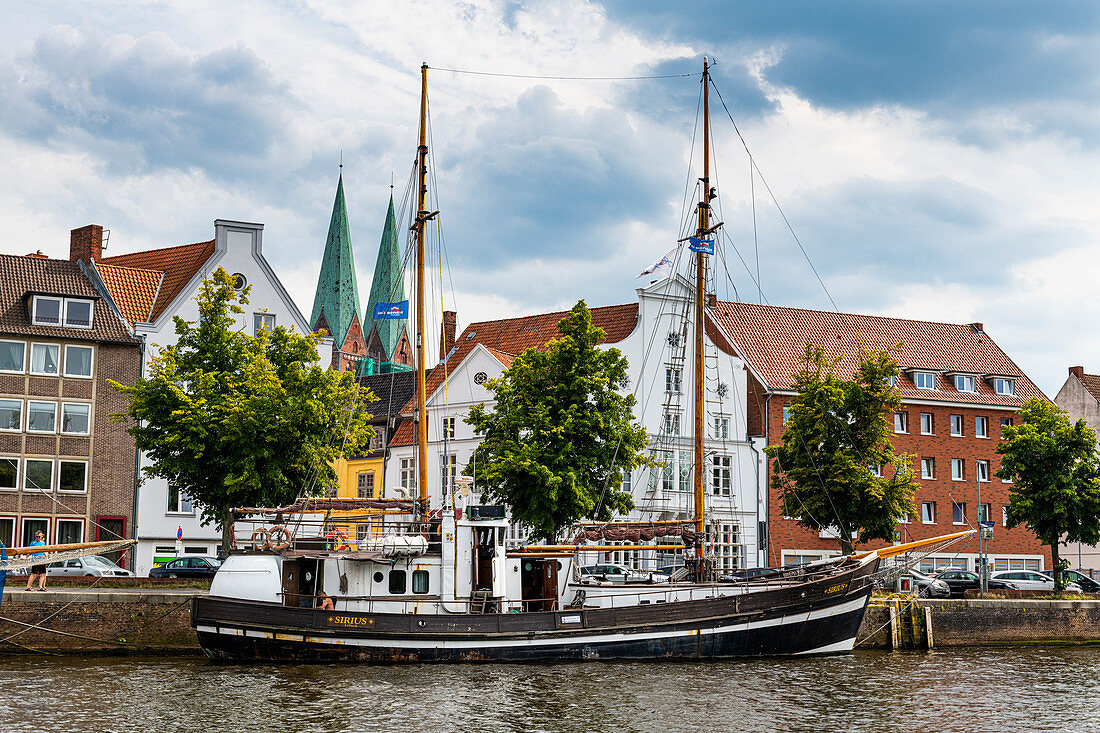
(388, 285)
(337, 296)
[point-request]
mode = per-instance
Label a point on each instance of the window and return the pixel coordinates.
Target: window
(7, 531)
(958, 469)
(448, 471)
(725, 545)
(78, 313)
(671, 424)
(981, 427)
(420, 581)
(924, 380)
(661, 473)
(624, 484)
(397, 581)
(686, 472)
(11, 415)
(1004, 386)
(981, 468)
(408, 473)
(448, 428)
(365, 485)
(41, 417)
(72, 476)
(78, 361)
(926, 423)
(875, 469)
(32, 526)
(13, 355)
(957, 425)
(928, 512)
(983, 512)
(378, 440)
(965, 383)
(262, 322)
(179, 502)
(672, 379)
(70, 531)
(1004, 516)
(786, 414)
(44, 358)
(38, 475)
(958, 513)
(721, 428)
(901, 422)
(76, 419)
(789, 560)
(46, 311)
(928, 468)
(720, 475)
(9, 473)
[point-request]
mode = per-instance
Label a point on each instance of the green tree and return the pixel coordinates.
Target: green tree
(561, 433)
(836, 442)
(236, 420)
(1055, 477)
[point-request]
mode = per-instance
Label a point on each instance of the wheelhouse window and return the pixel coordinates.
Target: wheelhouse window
(13, 356)
(11, 416)
(76, 419)
(966, 383)
(46, 311)
(9, 473)
(78, 361)
(924, 380)
(38, 475)
(78, 313)
(397, 582)
(1004, 386)
(44, 359)
(41, 417)
(420, 581)
(72, 476)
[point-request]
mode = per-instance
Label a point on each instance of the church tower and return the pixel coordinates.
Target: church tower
(388, 339)
(336, 302)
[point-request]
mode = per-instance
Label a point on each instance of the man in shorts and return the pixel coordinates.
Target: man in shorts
(39, 570)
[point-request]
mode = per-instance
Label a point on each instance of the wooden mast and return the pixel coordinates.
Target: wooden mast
(700, 291)
(422, 217)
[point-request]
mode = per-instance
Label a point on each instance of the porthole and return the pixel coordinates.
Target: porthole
(378, 577)
(239, 281)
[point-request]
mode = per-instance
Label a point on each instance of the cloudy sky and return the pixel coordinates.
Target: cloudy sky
(935, 160)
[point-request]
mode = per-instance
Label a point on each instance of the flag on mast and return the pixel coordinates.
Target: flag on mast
(661, 267)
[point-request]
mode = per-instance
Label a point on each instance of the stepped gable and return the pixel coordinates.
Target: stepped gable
(337, 293)
(773, 339)
(178, 264)
(388, 286)
(134, 290)
(22, 276)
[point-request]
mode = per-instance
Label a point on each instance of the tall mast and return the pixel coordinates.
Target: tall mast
(700, 288)
(422, 217)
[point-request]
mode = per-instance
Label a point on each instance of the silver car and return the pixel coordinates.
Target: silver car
(1031, 580)
(92, 566)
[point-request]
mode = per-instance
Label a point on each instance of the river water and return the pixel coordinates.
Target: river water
(1002, 689)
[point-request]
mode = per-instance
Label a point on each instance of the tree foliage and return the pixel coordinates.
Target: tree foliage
(237, 420)
(561, 434)
(836, 431)
(1055, 477)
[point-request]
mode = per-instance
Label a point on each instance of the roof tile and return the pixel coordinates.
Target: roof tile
(179, 265)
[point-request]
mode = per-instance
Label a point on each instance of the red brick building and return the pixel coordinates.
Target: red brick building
(958, 387)
(65, 468)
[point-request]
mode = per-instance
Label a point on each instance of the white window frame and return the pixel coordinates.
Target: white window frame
(262, 321)
(1004, 386)
(91, 313)
(901, 418)
(69, 520)
(27, 473)
(23, 369)
(931, 423)
(447, 461)
(27, 419)
(985, 509)
(966, 383)
(61, 424)
(983, 431)
(60, 310)
(919, 377)
(930, 464)
(958, 469)
(981, 469)
(57, 360)
(670, 423)
(447, 428)
(875, 469)
(181, 498)
(91, 362)
(957, 426)
(10, 518)
(87, 477)
(961, 513)
(15, 487)
(673, 379)
(721, 476)
(408, 473)
(23, 526)
(786, 413)
(928, 512)
(721, 427)
(22, 416)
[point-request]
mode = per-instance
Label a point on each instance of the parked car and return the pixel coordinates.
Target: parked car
(1088, 585)
(961, 581)
(926, 585)
(749, 573)
(92, 566)
(609, 572)
(673, 572)
(194, 566)
(1031, 580)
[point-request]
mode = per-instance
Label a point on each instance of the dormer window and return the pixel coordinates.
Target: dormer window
(49, 310)
(46, 311)
(78, 313)
(966, 383)
(1004, 386)
(925, 380)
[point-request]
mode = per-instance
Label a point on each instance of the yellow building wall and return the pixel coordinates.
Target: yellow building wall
(347, 476)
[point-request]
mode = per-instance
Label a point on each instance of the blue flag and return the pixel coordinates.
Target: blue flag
(706, 246)
(399, 309)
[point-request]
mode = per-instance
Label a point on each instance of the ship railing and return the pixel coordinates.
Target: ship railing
(331, 533)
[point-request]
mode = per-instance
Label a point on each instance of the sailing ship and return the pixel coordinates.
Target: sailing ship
(441, 585)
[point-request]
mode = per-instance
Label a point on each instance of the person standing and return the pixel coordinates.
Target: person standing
(39, 569)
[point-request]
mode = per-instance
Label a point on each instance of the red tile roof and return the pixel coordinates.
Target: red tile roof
(133, 290)
(773, 338)
(179, 265)
(1091, 382)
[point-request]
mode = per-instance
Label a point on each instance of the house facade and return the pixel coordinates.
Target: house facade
(1080, 397)
(65, 468)
(149, 288)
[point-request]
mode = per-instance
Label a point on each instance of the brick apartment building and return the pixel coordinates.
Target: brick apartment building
(958, 388)
(65, 468)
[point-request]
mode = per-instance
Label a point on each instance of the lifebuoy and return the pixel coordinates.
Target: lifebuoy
(278, 537)
(335, 534)
(260, 540)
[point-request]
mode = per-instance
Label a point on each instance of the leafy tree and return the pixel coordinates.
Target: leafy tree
(238, 420)
(561, 434)
(1055, 477)
(837, 430)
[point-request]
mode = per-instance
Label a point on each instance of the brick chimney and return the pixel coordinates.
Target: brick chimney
(978, 327)
(86, 243)
(1077, 371)
(447, 333)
